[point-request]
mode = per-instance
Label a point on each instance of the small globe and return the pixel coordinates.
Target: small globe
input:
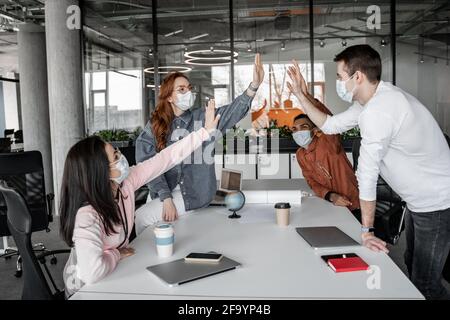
(235, 201)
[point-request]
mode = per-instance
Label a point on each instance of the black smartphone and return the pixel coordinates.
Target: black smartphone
(336, 256)
(203, 257)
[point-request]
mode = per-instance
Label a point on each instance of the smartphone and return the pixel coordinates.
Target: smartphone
(203, 257)
(336, 256)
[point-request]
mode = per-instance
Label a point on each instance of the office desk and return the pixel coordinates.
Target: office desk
(276, 261)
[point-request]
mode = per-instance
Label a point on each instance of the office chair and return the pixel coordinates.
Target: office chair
(5, 145)
(24, 172)
(18, 136)
(20, 223)
(390, 209)
(8, 133)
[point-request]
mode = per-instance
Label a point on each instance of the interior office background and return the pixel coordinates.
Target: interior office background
(106, 74)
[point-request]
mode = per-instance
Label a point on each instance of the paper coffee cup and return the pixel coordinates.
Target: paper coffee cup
(283, 210)
(165, 238)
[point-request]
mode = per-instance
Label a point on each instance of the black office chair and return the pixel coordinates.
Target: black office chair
(5, 145)
(390, 209)
(24, 172)
(18, 136)
(8, 133)
(20, 223)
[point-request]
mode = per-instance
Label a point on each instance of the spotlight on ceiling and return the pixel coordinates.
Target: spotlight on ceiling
(249, 47)
(211, 49)
(322, 43)
(344, 42)
(150, 52)
(383, 43)
(422, 60)
(283, 46)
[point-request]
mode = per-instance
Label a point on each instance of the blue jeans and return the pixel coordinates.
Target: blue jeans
(427, 248)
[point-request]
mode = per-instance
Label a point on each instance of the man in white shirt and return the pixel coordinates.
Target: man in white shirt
(403, 143)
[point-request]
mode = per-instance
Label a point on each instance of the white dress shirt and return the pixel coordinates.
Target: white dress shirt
(403, 143)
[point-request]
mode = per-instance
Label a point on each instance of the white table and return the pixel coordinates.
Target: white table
(276, 262)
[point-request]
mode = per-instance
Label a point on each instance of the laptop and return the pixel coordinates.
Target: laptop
(230, 180)
(179, 272)
(326, 237)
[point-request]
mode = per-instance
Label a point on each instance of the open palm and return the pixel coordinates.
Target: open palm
(258, 71)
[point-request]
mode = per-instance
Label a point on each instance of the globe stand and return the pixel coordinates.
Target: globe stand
(234, 215)
(235, 208)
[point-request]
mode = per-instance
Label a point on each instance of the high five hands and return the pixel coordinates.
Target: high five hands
(258, 72)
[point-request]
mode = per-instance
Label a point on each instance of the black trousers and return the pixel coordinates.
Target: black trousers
(427, 249)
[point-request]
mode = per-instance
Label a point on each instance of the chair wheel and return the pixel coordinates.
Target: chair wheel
(18, 273)
(53, 260)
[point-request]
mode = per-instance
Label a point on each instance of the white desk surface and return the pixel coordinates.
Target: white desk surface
(276, 262)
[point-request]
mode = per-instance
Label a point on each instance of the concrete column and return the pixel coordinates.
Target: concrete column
(34, 95)
(64, 84)
(2, 111)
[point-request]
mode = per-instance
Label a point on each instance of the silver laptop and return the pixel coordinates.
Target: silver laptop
(179, 272)
(326, 237)
(230, 180)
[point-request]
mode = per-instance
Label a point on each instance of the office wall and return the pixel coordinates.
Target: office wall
(2, 111)
(429, 82)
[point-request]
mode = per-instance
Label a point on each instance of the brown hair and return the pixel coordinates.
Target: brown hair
(163, 115)
(361, 58)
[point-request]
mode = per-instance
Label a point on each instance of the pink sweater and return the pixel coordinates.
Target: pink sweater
(95, 254)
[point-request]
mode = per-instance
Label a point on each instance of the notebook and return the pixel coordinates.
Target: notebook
(345, 262)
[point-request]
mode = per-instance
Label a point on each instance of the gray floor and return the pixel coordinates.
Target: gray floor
(11, 287)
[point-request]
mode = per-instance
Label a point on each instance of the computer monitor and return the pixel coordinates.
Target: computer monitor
(231, 180)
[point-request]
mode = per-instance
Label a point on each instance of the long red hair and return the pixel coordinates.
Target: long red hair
(163, 115)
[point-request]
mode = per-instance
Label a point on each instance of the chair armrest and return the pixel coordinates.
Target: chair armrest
(51, 253)
(50, 198)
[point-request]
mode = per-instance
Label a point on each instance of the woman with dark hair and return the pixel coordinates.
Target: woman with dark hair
(97, 201)
(191, 185)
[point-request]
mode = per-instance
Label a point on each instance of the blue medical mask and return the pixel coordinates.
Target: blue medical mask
(123, 167)
(342, 90)
(303, 138)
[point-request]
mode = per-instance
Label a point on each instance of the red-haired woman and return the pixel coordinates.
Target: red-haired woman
(190, 185)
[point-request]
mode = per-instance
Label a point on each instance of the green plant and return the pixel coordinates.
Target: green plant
(113, 135)
(352, 133)
(283, 131)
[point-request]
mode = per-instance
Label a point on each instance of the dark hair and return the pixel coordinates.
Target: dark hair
(86, 180)
(304, 116)
(361, 58)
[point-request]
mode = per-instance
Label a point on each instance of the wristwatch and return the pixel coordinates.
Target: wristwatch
(367, 229)
(252, 88)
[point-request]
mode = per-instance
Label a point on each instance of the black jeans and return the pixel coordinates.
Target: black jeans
(427, 248)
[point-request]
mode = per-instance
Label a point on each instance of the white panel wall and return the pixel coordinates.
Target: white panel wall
(273, 166)
(244, 162)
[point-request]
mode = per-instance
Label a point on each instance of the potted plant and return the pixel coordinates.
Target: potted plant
(349, 137)
(118, 138)
(285, 140)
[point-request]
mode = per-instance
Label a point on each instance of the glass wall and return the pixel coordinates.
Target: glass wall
(129, 47)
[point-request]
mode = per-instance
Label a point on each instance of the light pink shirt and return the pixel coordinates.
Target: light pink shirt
(95, 254)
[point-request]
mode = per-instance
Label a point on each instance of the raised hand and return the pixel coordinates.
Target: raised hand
(297, 86)
(258, 72)
(211, 120)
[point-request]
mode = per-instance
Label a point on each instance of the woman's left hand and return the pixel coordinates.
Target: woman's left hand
(258, 72)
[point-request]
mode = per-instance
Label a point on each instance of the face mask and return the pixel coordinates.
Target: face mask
(342, 90)
(185, 101)
(123, 167)
(303, 138)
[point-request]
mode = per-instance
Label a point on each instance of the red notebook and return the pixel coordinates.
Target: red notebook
(348, 264)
